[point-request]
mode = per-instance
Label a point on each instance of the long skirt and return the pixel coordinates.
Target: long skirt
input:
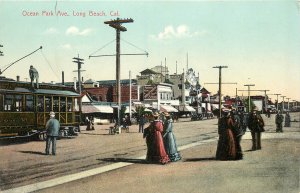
(226, 149)
(171, 147)
(156, 150)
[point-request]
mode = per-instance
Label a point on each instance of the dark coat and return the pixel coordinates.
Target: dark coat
(256, 123)
(52, 127)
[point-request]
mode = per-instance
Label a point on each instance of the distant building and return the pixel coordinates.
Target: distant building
(105, 90)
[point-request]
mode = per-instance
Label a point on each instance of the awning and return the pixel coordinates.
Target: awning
(96, 109)
(168, 108)
(55, 92)
(186, 108)
(89, 109)
(104, 109)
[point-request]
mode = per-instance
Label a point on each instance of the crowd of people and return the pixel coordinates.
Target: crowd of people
(231, 127)
(161, 141)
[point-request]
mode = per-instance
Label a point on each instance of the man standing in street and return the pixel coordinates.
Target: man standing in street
(279, 120)
(256, 126)
(141, 123)
(52, 129)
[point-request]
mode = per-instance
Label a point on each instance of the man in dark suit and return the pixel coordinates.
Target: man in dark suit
(256, 126)
(52, 129)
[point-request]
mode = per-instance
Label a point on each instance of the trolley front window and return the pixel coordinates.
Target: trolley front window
(18, 102)
(70, 106)
(8, 102)
(56, 104)
(48, 103)
(1, 102)
(29, 102)
(62, 104)
(41, 103)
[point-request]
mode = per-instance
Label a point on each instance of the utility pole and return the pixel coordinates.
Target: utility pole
(249, 95)
(277, 100)
(288, 103)
(220, 91)
(282, 103)
(78, 61)
(117, 24)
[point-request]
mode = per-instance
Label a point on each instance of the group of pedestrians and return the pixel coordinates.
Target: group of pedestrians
(160, 140)
(231, 127)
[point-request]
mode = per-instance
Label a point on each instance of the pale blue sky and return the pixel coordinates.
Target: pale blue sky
(259, 41)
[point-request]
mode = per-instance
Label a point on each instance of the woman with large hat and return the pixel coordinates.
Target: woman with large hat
(156, 152)
(169, 139)
(226, 149)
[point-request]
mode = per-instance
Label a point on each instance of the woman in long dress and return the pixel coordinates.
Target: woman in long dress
(226, 149)
(170, 140)
(156, 152)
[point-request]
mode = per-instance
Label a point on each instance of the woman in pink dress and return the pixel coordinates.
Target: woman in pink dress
(156, 152)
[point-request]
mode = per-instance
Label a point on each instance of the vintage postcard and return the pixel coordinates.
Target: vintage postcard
(150, 96)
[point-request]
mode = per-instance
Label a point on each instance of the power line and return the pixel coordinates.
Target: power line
(91, 55)
(20, 59)
(47, 61)
(135, 46)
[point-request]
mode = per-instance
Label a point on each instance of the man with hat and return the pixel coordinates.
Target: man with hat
(52, 129)
(256, 126)
(279, 120)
